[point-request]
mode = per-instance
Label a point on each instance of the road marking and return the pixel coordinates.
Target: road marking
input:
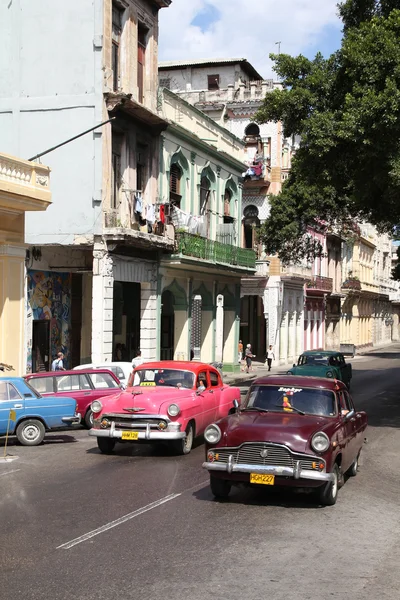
(9, 472)
(117, 522)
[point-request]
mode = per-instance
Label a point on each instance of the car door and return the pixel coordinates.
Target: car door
(76, 387)
(349, 448)
(345, 369)
(12, 406)
(206, 400)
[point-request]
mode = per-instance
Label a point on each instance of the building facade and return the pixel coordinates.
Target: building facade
(94, 255)
(24, 186)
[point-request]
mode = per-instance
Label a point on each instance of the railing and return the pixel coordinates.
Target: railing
(29, 176)
(214, 252)
(318, 282)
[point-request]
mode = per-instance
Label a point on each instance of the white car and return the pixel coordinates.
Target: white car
(121, 369)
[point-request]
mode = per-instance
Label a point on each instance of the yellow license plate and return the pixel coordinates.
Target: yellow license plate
(263, 479)
(130, 435)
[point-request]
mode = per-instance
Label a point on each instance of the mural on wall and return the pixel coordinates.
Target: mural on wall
(49, 298)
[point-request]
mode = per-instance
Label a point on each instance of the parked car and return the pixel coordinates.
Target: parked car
(121, 369)
(164, 402)
(84, 387)
(323, 363)
(289, 431)
(28, 415)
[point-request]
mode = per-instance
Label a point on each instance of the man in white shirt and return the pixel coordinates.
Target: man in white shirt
(58, 363)
(270, 357)
(138, 360)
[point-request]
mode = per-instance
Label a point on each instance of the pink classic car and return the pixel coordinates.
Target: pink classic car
(166, 401)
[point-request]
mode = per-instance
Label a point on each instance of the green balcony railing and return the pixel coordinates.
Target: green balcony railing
(215, 252)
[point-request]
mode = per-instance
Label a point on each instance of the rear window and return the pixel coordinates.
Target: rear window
(214, 379)
(43, 385)
(102, 381)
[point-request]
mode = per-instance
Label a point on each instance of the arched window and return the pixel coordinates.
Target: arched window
(252, 129)
(175, 176)
(250, 222)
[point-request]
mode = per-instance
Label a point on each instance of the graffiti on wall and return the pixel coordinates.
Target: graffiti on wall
(49, 298)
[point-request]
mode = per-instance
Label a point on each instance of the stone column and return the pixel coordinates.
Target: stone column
(219, 329)
(12, 307)
(102, 305)
(148, 319)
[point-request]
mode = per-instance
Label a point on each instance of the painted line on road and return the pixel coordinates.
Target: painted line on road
(9, 472)
(128, 517)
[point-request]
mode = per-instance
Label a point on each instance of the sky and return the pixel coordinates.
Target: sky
(192, 29)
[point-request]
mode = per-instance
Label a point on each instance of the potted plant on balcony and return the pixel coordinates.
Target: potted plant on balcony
(352, 282)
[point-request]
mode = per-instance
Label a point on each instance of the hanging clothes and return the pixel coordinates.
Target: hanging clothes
(162, 213)
(150, 214)
(138, 203)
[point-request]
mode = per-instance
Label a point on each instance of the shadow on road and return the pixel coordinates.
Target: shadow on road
(145, 449)
(48, 441)
(251, 496)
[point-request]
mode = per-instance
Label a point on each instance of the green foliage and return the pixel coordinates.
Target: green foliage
(346, 108)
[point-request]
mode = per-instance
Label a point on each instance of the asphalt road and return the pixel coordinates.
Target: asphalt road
(143, 523)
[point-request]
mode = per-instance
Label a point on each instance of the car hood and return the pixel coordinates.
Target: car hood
(292, 430)
(146, 400)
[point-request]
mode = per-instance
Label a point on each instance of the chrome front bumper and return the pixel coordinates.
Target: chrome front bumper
(147, 434)
(295, 473)
(72, 420)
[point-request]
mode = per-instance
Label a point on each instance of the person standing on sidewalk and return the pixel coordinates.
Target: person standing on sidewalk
(240, 352)
(270, 357)
(249, 356)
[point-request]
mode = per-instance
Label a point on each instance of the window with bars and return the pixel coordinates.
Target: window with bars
(141, 153)
(116, 42)
(213, 82)
(175, 177)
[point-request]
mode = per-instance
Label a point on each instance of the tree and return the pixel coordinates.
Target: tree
(346, 108)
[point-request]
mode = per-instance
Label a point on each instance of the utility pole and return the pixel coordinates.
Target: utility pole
(279, 46)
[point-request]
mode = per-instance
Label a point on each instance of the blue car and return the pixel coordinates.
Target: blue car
(28, 415)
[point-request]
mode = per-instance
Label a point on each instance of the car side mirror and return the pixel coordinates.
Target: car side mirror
(236, 404)
(349, 415)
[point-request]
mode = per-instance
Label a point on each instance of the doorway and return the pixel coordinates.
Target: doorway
(40, 346)
(167, 326)
(126, 320)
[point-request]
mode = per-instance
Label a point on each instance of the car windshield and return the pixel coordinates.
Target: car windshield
(164, 378)
(275, 398)
(313, 360)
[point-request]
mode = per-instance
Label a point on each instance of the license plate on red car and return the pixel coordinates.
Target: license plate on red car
(130, 435)
(262, 478)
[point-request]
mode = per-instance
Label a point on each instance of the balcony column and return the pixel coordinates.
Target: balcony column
(102, 304)
(12, 287)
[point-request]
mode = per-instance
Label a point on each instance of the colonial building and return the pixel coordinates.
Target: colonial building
(201, 190)
(24, 186)
(367, 312)
(93, 262)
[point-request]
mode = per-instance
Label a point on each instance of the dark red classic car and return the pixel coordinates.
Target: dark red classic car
(289, 431)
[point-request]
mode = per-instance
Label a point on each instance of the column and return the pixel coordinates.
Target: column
(283, 337)
(102, 305)
(219, 328)
(292, 337)
(148, 319)
(12, 307)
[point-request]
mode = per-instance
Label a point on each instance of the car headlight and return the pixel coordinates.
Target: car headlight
(96, 406)
(173, 410)
(329, 374)
(212, 434)
(320, 442)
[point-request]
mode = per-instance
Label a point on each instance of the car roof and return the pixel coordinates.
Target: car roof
(301, 381)
(11, 378)
(69, 372)
(186, 365)
(321, 352)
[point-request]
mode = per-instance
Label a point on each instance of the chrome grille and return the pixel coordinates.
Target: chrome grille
(132, 423)
(277, 456)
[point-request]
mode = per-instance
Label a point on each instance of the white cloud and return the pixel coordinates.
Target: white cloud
(246, 29)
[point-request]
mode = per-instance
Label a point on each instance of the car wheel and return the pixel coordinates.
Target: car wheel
(352, 472)
(106, 445)
(184, 445)
(88, 420)
(329, 491)
(30, 432)
(220, 488)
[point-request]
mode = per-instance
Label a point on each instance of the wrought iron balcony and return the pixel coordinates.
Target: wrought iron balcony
(196, 246)
(323, 284)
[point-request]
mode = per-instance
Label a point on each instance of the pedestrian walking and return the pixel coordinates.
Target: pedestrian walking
(58, 363)
(249, 356)
(270, 357)
(240, 352)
